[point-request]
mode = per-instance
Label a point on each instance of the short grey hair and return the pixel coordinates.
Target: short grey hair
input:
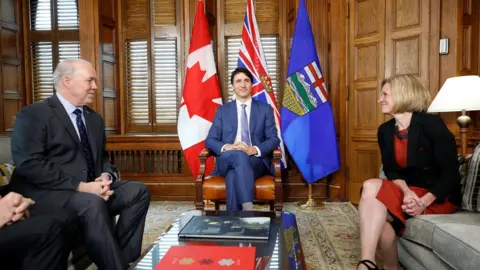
(66, 67)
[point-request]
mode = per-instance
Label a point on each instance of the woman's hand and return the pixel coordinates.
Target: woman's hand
(412, 204)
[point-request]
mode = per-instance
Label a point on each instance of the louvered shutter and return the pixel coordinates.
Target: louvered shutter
(42, 68)
(137, 82)
(67, 14)
(272, 56)
(166, 81)
(45, 54)
(40, 15)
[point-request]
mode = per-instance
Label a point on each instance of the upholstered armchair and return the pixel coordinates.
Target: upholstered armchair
(268, 188)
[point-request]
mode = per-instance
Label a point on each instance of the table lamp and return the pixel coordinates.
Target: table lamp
(460, 93)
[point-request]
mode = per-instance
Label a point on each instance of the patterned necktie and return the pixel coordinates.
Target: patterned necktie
(244, 122)
(85, 145)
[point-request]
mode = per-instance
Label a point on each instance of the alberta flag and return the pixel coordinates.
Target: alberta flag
(251, 57)
(308, 127)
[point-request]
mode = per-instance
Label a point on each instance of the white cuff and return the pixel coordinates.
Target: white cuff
(258, 152)
(223, 148)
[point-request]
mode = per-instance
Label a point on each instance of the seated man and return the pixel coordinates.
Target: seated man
(58, 147)
(243, 136)
(33, 243)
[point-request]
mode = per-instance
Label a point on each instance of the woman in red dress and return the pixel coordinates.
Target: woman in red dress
(419, 158)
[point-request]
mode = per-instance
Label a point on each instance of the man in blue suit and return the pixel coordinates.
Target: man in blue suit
(243, 136)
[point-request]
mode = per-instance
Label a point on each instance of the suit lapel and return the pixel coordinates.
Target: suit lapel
(413, 137)
(253, 111)
(90, 123)
(62, 115)
(232, 121)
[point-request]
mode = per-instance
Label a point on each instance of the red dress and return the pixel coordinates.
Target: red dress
(392, 196)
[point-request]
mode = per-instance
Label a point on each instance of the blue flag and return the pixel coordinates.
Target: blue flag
(308, 127)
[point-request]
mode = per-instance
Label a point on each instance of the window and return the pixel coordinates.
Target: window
(52, 40)
(156, 53)
(153, 84)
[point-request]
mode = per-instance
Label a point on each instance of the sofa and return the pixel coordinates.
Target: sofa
(78, 260)
(445, 241)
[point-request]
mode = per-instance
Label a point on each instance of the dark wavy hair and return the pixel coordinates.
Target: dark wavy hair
(241, 70)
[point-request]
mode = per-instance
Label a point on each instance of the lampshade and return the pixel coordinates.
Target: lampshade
(457, 94)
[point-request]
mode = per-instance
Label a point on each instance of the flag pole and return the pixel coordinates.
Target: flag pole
(310, 204)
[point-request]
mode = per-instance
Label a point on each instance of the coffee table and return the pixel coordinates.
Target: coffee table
(283, 250)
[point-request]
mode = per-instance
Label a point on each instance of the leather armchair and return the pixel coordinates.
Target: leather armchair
(268, 188)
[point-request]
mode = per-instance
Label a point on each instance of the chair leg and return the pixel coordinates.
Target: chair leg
(278, 206)
(217, 205)
(271, 205)
(200, 206)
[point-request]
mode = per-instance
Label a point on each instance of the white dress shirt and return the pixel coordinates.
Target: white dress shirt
(238, 137)
(70, 108)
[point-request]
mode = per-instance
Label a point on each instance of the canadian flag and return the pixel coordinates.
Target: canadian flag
(201, 94)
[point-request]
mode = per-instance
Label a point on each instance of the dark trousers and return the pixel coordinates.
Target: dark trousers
(240, 171)
(40, 242)
(109, 246)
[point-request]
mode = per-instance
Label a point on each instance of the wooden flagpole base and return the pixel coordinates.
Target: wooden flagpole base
(310, 204)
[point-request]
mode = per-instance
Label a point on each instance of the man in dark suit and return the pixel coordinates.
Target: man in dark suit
(58, 148)
(243, 136)
(40, 242)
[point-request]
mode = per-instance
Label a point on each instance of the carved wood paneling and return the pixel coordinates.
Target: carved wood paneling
(469, 52)
(467, 49)
(407, 42)
(109, 68)
(366, 65)
(368, 13)
(406, 53)
(11, 67)
(366, 55)
(406, 13)
(365, 165)
(366, 117)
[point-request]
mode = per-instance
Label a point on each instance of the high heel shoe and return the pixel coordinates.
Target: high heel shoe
(369, 264)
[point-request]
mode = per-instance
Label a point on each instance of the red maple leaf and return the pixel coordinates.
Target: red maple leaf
(199, 96)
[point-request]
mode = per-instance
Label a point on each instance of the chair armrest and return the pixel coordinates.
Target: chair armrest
(277, 157)
(204, 154)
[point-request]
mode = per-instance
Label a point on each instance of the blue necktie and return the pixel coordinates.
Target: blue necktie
(85, 145)
(244, 122)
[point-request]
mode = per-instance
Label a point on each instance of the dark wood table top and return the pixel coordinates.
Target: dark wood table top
(283, 250)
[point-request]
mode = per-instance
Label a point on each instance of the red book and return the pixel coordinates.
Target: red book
(208, 257)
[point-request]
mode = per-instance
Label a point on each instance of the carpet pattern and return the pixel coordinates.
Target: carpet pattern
(330, 235)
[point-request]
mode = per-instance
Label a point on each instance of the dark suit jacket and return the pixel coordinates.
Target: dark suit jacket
(431, 156)
(46, 151)
(263, 132)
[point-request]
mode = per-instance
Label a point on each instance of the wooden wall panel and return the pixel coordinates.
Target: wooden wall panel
(469, 53)
(407, 44)
(12, 84)
(109, 69)
(337, 25)
(366, 71)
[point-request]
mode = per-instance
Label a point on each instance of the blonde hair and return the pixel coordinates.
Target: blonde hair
(409, 95)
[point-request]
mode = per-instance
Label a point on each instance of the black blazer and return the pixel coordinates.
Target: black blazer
(431, 156)
(49, 162)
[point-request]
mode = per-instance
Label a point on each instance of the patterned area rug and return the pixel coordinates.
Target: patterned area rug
(330, 235)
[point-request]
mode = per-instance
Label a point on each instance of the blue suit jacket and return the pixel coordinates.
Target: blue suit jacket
(263, 132)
